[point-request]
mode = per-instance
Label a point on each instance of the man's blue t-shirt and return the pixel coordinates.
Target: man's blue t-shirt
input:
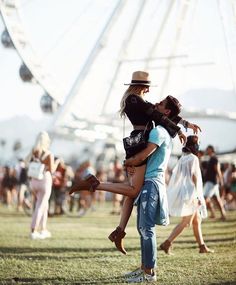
(158, 161)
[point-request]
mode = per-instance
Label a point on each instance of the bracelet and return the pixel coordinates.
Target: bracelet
(185, 124)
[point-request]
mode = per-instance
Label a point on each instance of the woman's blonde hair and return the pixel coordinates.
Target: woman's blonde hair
(132, 90)
(42, 142)
(41, 145)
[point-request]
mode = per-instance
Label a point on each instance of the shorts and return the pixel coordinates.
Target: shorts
(210, 189)
(132, 153)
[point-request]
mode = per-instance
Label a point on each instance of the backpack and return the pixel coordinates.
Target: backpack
(36, 168)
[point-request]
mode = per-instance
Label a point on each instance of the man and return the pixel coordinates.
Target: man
(213, 178)
(151, 202)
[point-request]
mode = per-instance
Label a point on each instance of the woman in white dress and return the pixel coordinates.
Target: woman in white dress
(185, 196)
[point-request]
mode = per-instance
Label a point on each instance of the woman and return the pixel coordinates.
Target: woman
(185, 196)
(140, 113)
(41, 187)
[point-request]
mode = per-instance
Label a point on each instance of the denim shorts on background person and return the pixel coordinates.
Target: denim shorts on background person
(210, 189)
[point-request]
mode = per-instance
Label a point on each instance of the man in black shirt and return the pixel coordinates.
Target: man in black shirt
(213, 179)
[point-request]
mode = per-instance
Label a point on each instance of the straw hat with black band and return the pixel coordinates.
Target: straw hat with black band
(140, 78)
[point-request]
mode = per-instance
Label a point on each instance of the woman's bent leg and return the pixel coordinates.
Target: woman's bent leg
(136, 180)
(130, 189)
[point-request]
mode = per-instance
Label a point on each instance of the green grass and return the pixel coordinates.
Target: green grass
(80, 253)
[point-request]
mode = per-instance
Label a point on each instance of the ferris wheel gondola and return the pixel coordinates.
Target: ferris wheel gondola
(14, 36)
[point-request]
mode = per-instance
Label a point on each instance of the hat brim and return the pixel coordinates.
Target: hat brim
(141, 84)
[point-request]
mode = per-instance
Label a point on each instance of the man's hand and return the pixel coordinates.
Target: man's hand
(130, 170)
(182, 138)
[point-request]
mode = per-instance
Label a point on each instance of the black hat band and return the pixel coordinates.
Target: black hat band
(141, 81)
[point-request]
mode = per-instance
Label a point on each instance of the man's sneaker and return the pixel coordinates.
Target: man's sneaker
(45, 234)
(133, 273)
(142, 277)
(35, 235)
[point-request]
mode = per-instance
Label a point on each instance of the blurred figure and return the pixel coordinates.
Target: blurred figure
(23, 184)
(9, 185)
(41, 188)
(99, 196)
(59, 186)
(119, 177)
(213, 181)
(85, 196)
(231, 195)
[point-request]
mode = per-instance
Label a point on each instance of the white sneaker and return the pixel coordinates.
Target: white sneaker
(143, 277)
(133, 273)
(35, 235)
(81, 212)
(45, 234)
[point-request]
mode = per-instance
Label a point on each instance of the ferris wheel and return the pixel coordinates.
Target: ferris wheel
(82, 53)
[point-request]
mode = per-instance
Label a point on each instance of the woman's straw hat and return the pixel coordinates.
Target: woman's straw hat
(140, 78)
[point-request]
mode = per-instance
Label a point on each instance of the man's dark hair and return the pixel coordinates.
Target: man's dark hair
(211, 147)
(174, 106)
(191, 145)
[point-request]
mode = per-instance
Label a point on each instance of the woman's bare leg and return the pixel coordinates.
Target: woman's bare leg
(166, 245)
(130, 189)
(197, 229)
(126, 211)
(136, 182)
(186, 221)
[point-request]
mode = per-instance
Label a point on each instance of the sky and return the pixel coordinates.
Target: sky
(201, 73)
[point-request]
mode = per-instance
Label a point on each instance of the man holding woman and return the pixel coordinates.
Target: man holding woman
(141, 114)
(152, 201)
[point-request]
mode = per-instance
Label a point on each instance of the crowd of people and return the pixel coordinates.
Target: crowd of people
(197, 183)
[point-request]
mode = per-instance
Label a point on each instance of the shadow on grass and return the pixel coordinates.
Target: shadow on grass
(58, 253)
(206, 240)
(224, 283)
(58, 281)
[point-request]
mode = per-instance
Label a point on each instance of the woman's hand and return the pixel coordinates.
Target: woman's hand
(194, 127)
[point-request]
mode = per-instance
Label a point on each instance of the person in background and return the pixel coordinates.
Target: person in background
(9, 185)
(213, 181)
(23, 184)
(185, 196)
(85, 196)
(119, 177)
(59, 186)
(41, 188)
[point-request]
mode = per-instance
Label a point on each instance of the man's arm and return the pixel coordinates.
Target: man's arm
(141, 156)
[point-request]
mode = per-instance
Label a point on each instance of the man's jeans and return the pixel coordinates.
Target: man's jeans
(146, 218)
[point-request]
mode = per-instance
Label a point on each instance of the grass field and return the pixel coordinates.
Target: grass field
(80, 253)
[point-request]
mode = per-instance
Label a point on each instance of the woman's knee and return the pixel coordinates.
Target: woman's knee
(186, 222)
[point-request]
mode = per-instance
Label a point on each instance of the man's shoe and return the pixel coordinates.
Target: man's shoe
(142, 277)
(133, 273)
(204, 249)
(117, 237)
(166, 246)
(90, 182)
